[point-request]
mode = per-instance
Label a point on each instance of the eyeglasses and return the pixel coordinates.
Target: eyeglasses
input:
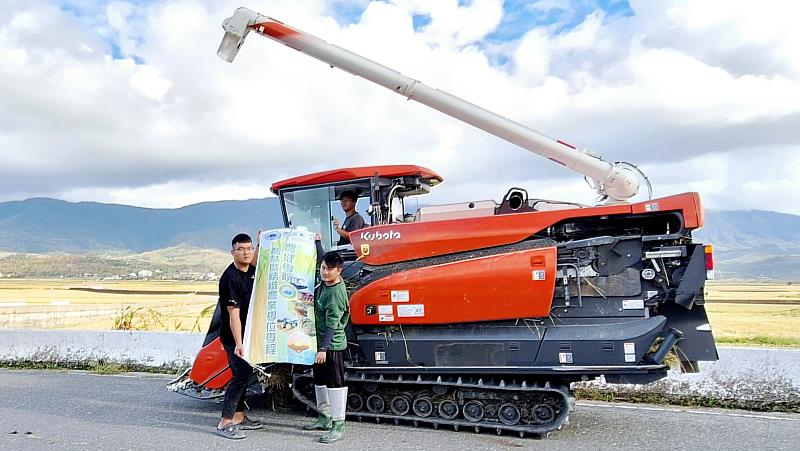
(245, 249)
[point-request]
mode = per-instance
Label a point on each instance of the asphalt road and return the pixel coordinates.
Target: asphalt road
(85, 411)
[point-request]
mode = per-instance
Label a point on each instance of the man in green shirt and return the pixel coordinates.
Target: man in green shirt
(331, 312)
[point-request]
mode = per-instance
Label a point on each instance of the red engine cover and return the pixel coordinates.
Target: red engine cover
(210, 367)
(381, 245)
(504, 286)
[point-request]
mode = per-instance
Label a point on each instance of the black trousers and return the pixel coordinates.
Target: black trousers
(234, 393)
(330, 373)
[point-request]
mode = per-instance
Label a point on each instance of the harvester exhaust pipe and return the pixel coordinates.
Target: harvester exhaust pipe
(672, 337)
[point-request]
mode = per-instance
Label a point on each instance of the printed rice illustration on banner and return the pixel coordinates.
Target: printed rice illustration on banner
(280, 322)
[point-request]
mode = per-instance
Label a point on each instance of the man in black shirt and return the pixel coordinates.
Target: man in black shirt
(352, 221)
(235, 288)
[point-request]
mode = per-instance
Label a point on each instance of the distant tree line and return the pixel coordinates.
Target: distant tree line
(184, 265)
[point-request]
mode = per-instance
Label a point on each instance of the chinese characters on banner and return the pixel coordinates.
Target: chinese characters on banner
(280, 321)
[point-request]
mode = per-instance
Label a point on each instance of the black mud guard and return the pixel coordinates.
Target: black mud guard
(693, 280)
(697, 343)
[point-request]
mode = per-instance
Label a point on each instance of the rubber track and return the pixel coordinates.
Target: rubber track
(534, 430)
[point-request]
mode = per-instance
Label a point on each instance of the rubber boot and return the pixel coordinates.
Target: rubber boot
(338, 409)
(323, 423)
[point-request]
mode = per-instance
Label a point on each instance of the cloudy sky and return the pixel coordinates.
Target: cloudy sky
(127, 102)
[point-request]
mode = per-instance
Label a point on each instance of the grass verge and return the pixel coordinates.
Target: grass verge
(594, 394)
(98, 367)
(760, 340)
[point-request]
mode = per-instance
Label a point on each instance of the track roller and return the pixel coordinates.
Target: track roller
(423, 406)
(509, 414)
(375, 404)
(543, 413)
(474, 411)
(400, 405)
(448, 409)
(355, 402)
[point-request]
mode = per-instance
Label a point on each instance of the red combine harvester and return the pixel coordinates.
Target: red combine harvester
(480, 315)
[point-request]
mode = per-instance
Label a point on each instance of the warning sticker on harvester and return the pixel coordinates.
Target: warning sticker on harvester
(385, 310)
(537, 274)
(411, 311)
(632, 304)
(400, 296)
(385, 318)
(630, 348)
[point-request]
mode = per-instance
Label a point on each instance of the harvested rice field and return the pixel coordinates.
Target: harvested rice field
(96, 305)
(760, 314)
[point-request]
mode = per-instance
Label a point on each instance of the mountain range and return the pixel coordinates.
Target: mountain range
(43, 225)
(748, 245)
(754, 244)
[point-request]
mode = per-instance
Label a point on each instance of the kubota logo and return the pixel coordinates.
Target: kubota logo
(374, 236)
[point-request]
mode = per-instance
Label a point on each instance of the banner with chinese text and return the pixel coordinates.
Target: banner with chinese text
(280, 321)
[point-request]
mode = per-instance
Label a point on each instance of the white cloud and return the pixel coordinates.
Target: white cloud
(172, 194)
(149, 82)
(453, 25)
(703, 95)
(739, 35)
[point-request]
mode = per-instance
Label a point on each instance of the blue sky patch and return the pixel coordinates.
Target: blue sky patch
(83, 8)
(420, 21)
(71, 9)
(347, 12)
(520, 16)
(93, 14)
(117, 54)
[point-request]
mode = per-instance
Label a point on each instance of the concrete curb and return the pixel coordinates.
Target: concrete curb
(167, 350)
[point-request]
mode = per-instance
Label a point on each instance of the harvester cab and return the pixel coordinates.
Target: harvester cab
(309, 202)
